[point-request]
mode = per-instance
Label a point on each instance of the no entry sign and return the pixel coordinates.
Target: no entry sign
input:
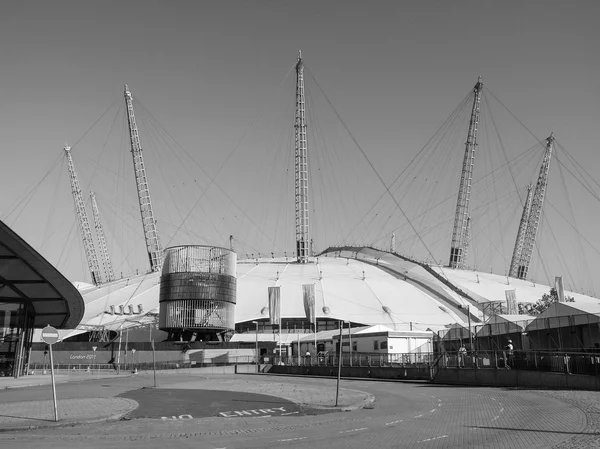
(50, 335)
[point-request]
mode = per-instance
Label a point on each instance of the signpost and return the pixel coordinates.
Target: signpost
(50, 336)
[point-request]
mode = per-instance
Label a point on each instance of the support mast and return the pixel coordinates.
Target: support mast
(458, 247)
(302, 236)
(393, 243)
(82, 219)
(467, 240)
(104, 254)
(535, 213)
(153, 246)
(518, 251)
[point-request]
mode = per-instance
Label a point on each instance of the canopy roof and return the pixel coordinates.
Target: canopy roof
(504, 324)
(564, 314)
(27, 278)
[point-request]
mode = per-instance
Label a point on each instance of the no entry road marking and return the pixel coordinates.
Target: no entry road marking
(259, 412)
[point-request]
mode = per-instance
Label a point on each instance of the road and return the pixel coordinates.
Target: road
(403, 416)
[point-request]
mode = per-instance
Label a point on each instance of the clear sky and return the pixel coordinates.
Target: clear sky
(394, 71)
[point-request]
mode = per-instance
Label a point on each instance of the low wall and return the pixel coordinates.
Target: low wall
(408, 373)
(515, 378)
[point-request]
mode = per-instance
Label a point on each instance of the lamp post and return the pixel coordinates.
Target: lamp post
(337, 390)
(256, 349)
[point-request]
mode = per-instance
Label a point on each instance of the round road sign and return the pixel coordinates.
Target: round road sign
(49, 335)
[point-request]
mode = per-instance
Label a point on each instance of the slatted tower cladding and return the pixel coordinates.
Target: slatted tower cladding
(301, 169)
(82, 220)
(153, 246)
(198, 291)
(460, 241)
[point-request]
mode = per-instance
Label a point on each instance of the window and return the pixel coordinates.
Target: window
(354, 346)
(376, 345)
(383, 345)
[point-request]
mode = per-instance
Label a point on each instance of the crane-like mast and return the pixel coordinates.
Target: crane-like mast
(302, 235)
(155, 254)
(465, 253)
(82, 219)
(458, 247)
(518, 251)
(533, 221)
(106, 261)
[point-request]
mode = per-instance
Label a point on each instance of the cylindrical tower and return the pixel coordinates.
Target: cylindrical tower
(198, 290)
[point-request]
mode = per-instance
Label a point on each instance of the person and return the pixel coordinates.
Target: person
(462, 355)
(509, 354)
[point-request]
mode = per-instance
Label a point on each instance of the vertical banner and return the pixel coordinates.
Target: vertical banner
(274, 305)
(308, 293)
(558, 285)
(511, 302)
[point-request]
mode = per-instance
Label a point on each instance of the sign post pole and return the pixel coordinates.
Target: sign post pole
(50, 336)
(53, 385)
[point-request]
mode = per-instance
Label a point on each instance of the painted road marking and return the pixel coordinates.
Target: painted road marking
(260, 411)
(175, 418)
(431, 411)
(294, 439)
(419, 416)
(493, 399)
(392, 423)
(353, 430)
(289, 413)
(495, 418)
(502, 409)
(434, 438)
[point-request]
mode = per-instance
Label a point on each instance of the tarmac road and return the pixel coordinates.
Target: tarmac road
(403, 416)
(182, 404)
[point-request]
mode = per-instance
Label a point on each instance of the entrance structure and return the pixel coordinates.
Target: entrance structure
(197, 292)
(33, 294)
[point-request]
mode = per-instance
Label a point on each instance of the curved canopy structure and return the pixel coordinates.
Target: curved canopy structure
(27, 279)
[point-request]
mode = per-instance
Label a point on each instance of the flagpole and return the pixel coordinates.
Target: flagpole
(350, 339)
(280, 323)
(316, 351)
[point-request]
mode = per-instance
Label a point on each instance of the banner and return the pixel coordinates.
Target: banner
(560, 291)
(308, 294)
(274, 305)
(511, 302)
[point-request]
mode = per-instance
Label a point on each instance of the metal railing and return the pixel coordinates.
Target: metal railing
(355, 360)
(548, 361)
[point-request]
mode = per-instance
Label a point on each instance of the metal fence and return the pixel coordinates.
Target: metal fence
(355, 360)
(548, 361)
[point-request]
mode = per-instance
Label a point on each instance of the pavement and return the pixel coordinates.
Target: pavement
(45, 379)
(84, 400)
